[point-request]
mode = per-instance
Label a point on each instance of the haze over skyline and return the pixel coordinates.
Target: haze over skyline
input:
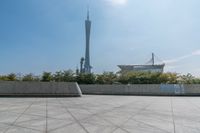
(49, 35)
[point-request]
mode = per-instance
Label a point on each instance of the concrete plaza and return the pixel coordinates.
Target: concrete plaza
(100, 114)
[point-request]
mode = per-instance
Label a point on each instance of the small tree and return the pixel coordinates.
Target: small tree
(86, 78)
(28, 77)
(68, 76)
(3, 78)
(12, 77)
(123, 78)
(100, 79)
(58, 76)
(187, 79)
(106, 78)
(172, 78)
(47, 76)
(64, 76)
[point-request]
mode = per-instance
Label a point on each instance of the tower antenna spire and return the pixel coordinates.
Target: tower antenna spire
(88, 12)
(153, 58)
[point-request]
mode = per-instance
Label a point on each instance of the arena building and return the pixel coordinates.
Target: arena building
(144, 68)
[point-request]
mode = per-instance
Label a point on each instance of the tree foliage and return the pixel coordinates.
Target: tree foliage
(147, 78)
(30, 77)
(47, 76)
(86, 78)
(64, 76)
(9, 77)
(107, 78)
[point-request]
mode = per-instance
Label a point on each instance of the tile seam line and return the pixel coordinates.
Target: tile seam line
(13, 123)
(115, 108)
(172, 112)
(138, 112)
(152, 126)
(76, 120)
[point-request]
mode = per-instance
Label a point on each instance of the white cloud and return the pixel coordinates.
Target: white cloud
(197, 52)
(194, 53)
(171, 67)
(177, 59)
(117, 2)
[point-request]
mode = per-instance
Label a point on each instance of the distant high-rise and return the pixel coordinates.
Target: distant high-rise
(87, 67)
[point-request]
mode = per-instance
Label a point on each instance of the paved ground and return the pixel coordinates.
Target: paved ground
(100, 114)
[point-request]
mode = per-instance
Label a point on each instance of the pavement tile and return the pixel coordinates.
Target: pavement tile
(100, 114)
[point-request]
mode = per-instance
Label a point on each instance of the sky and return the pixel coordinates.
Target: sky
(49, 35)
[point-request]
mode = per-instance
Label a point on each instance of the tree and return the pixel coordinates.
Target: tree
(123, 78)
(106, 78)
(196, 81)
(64, 76)
(68, 76)
(100, 79)
(172, 78)
(86, 78)
(47, 76)
(187, 79)
(12, 77)
(3, 78)
(58, 76)
(30, 77)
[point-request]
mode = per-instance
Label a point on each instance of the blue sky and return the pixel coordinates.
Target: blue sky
(48, 35)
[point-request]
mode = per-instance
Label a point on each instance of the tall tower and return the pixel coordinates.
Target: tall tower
(87, 67)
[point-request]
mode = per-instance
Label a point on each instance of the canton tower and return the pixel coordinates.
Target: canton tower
(87, 67)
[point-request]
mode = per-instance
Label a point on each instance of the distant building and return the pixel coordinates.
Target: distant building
(143, 68)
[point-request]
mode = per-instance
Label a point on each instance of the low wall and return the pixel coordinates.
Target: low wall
(142, 89)
(192, 89)
(14, 88)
